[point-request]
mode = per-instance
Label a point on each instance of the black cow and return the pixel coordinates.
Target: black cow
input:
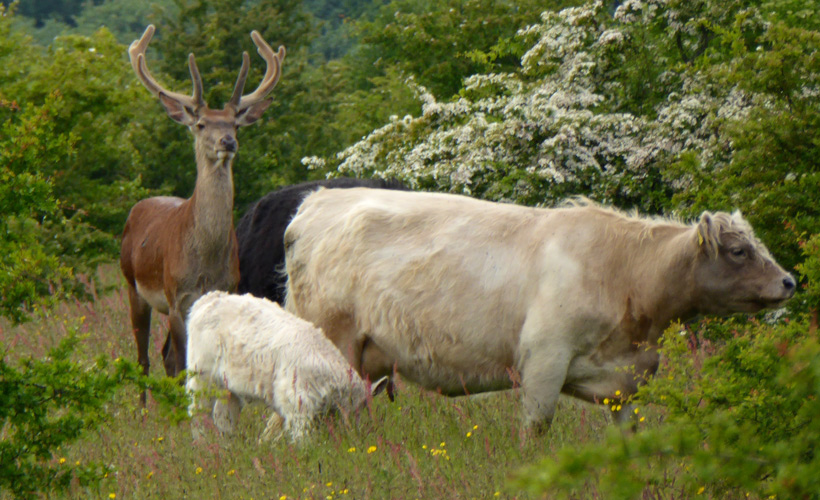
(261, 229)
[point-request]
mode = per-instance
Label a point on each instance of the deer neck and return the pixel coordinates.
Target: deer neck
(212, 202)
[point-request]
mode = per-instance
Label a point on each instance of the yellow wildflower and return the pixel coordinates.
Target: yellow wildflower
(199, 470)
(329, 484)
(617, 393)
(701, 490)
(62, 461)
(231, 472)
(606, 401)
(112, 495)
(371, 449)
(150, 475)
(352, 449)
(469, 434)
(475, 427)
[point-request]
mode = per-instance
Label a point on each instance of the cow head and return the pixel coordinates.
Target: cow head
(734, 271)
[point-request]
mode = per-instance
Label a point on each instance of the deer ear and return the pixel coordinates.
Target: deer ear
(252, 113)
(177, 111)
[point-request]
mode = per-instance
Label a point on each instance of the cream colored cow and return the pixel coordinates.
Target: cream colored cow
(466, 296)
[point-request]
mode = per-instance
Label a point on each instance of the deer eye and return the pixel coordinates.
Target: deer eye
(200, 126)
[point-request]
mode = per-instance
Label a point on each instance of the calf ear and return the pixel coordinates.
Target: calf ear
(379, 385)
(708, 235)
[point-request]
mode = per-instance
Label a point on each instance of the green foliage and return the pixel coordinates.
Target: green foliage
(739, 419)
(774, 170)
(49, 402)
(810, 270)
(40, 10)
(67, 159)
(441, 43)
(126, 19)
(31, 274)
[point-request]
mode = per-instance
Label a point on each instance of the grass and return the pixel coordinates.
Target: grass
(423, 445)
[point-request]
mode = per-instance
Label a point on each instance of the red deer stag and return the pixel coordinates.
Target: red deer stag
(176, 250)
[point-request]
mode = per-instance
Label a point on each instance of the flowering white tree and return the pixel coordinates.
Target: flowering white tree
(571, 121)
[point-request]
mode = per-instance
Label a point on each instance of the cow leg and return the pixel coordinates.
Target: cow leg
(541, 382)
(626, 417)
(543, 363)
(141, 325)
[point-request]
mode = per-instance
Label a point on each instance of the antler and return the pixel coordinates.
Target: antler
(269, 81)
(137, 54)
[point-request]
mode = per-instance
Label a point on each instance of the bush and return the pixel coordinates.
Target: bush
(49, 402)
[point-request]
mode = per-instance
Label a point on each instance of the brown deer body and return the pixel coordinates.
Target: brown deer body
(176, 250)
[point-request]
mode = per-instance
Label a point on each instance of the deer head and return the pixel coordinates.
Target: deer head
(214, 130)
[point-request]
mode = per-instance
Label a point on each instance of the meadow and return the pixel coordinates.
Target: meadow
(422, 445)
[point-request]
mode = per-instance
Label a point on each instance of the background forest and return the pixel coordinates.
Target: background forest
(667, 107)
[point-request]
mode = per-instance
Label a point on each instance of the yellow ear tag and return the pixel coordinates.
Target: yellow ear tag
(700, 238)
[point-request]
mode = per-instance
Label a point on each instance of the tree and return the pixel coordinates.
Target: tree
(69, 169)
(435, 41)
(40, 10)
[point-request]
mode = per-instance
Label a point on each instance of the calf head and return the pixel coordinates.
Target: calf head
(734, 271)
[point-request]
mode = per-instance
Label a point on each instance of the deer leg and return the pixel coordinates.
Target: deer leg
(175, 356)
(141, 325)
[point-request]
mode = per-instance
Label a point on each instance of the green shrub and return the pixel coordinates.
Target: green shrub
(49, 402)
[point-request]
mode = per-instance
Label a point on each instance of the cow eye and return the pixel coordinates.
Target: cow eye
(738, 252)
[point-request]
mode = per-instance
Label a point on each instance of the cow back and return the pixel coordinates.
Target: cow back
(261, 229)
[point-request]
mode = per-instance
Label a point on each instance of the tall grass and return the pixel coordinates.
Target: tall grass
(423, 445)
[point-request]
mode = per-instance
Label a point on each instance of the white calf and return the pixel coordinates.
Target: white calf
(257, 351)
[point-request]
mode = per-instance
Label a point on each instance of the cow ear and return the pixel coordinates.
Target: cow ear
(379, 385)
(708, 235)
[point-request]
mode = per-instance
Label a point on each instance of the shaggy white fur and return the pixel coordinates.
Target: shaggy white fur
(257, 351)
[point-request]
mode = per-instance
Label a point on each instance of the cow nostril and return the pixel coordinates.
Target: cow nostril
(788, 283)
